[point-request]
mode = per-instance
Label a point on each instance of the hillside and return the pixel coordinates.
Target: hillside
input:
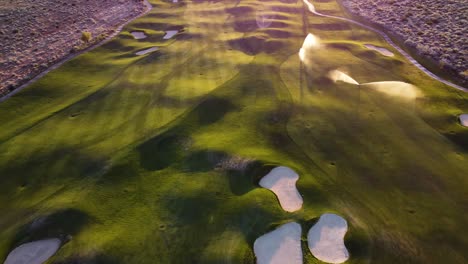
(436, 29)
(35, 34)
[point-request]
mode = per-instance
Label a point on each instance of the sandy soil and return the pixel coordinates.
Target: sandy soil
(146, 51)
(380, 50)
(36, 252)
(326, 239)
(464, 120)
(31, 42)
(282, 182)
(280, 246)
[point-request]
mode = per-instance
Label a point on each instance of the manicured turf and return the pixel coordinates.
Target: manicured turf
(157, 158)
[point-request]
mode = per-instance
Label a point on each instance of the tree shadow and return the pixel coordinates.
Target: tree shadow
(246, 180)
(170, 147)
(254, 45)
(60, 224)
(58, 164)
(161, 151)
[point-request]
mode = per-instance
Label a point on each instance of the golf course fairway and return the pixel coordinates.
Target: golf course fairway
(157, 158)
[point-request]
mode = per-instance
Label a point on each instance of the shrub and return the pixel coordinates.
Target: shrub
(86, 36)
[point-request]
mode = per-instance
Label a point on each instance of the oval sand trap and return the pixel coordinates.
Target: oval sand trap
(138, 34)
(394, 88)
(36, 252)
(380, 50)
(464, 120)
(282, 181)
(280, 246)
(146, 51)
(326, 239)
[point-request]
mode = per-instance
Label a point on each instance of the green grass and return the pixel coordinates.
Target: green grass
(125, 153)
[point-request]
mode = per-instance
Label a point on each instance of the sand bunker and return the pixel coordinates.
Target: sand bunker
(395, 89)
(138, 34)
(337, 75)
(464, 120)
(282, 181)
(170, 34)
(326, 239)
(391, 88)
(36, 252)
(310, 42)
(381, 50)
(280, 246)
(146, 51)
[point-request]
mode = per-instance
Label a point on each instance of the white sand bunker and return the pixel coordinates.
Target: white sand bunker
(170, 34)
(464, 120)
(381, 50)
(146, 51)
(311, 42)
(390, 88)
(36, 252)
(282, 181)
(326, 239)
(280, 246)
(395, 89)
(138, 34)
(337, 75)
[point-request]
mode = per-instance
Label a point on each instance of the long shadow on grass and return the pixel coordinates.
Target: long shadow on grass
(163, 150)
(43, 168)
(243, 174)
(201, 217)
(60, 224)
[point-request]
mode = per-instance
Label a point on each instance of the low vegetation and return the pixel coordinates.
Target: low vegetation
(86, 36)
(436, 29)
(36, 34)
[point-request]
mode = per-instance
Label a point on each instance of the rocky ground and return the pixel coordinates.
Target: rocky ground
(36, 34)
(437, 29)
